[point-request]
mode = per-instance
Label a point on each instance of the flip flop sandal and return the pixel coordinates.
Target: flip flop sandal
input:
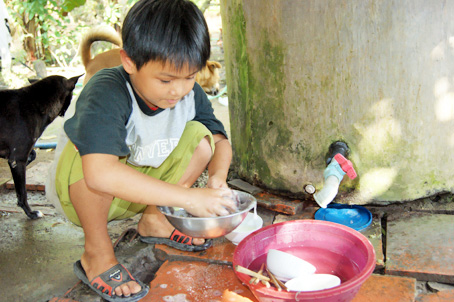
(179, 241)
(105, 284)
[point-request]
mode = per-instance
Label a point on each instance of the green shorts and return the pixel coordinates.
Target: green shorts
(69, 171)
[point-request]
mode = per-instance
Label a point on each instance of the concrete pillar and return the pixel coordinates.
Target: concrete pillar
(378, 75)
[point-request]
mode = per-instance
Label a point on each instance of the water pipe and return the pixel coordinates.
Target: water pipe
(337, 147)
(49, 145)
(334, 173)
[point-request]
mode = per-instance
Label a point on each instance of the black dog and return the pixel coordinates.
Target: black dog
(24, 114)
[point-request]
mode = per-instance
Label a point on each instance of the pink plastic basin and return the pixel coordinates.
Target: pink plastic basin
(332, 248)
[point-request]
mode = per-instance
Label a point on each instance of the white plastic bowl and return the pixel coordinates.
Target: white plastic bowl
(249, 225)
(312, 282)
(286, 266)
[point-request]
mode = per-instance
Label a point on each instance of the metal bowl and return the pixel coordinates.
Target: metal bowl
(210, 227)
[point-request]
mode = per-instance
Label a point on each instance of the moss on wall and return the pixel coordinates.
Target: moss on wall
(267, 90)
(237, 74)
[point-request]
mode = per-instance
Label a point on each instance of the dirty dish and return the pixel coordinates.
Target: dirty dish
(354, 216)
(210, 227)
(312, 282)
(286, 266)
(250, 224)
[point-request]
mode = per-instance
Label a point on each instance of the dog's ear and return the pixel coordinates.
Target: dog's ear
(72, 82)
(213, 64)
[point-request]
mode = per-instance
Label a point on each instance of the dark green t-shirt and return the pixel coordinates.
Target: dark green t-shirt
(104, 108)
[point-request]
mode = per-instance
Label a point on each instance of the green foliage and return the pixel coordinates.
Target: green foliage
(112, 13)
(51, 29)
(44, 25)
(69, 5)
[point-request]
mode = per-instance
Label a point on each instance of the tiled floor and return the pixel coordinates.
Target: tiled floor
(414, 244)
(387, 288)
(421, 245)
(196, 281)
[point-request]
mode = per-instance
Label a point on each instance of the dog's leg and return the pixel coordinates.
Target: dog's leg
(18, 172)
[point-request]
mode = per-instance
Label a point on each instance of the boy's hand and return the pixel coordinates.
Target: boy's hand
(205, 202)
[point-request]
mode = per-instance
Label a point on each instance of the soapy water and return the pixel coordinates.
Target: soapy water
(241, 201)
(176, 298)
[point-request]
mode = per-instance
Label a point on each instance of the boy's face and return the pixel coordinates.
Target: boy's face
(160, 85)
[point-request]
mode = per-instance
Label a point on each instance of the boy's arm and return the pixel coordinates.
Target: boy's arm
(218, 168)
(104, 173)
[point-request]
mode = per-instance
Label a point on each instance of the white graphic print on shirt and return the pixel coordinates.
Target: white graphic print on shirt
(151, 139)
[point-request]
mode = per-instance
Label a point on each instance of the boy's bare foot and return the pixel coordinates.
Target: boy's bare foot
(98, 264)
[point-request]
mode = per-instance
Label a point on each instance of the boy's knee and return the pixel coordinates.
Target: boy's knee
(204, 150)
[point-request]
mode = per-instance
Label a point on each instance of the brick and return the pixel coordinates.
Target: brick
(420, 245)
(279, 204)
(387, 289)
(195, 281)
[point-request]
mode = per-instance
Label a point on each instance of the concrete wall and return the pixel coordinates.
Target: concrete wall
(378, 75)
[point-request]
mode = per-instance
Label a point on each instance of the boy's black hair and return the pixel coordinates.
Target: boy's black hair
(169, 31)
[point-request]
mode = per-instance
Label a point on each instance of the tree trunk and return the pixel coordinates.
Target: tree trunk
(29, 41)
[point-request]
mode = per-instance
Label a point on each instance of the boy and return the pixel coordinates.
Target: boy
(142, 134)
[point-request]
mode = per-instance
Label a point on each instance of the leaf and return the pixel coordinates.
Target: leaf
(69, 5)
